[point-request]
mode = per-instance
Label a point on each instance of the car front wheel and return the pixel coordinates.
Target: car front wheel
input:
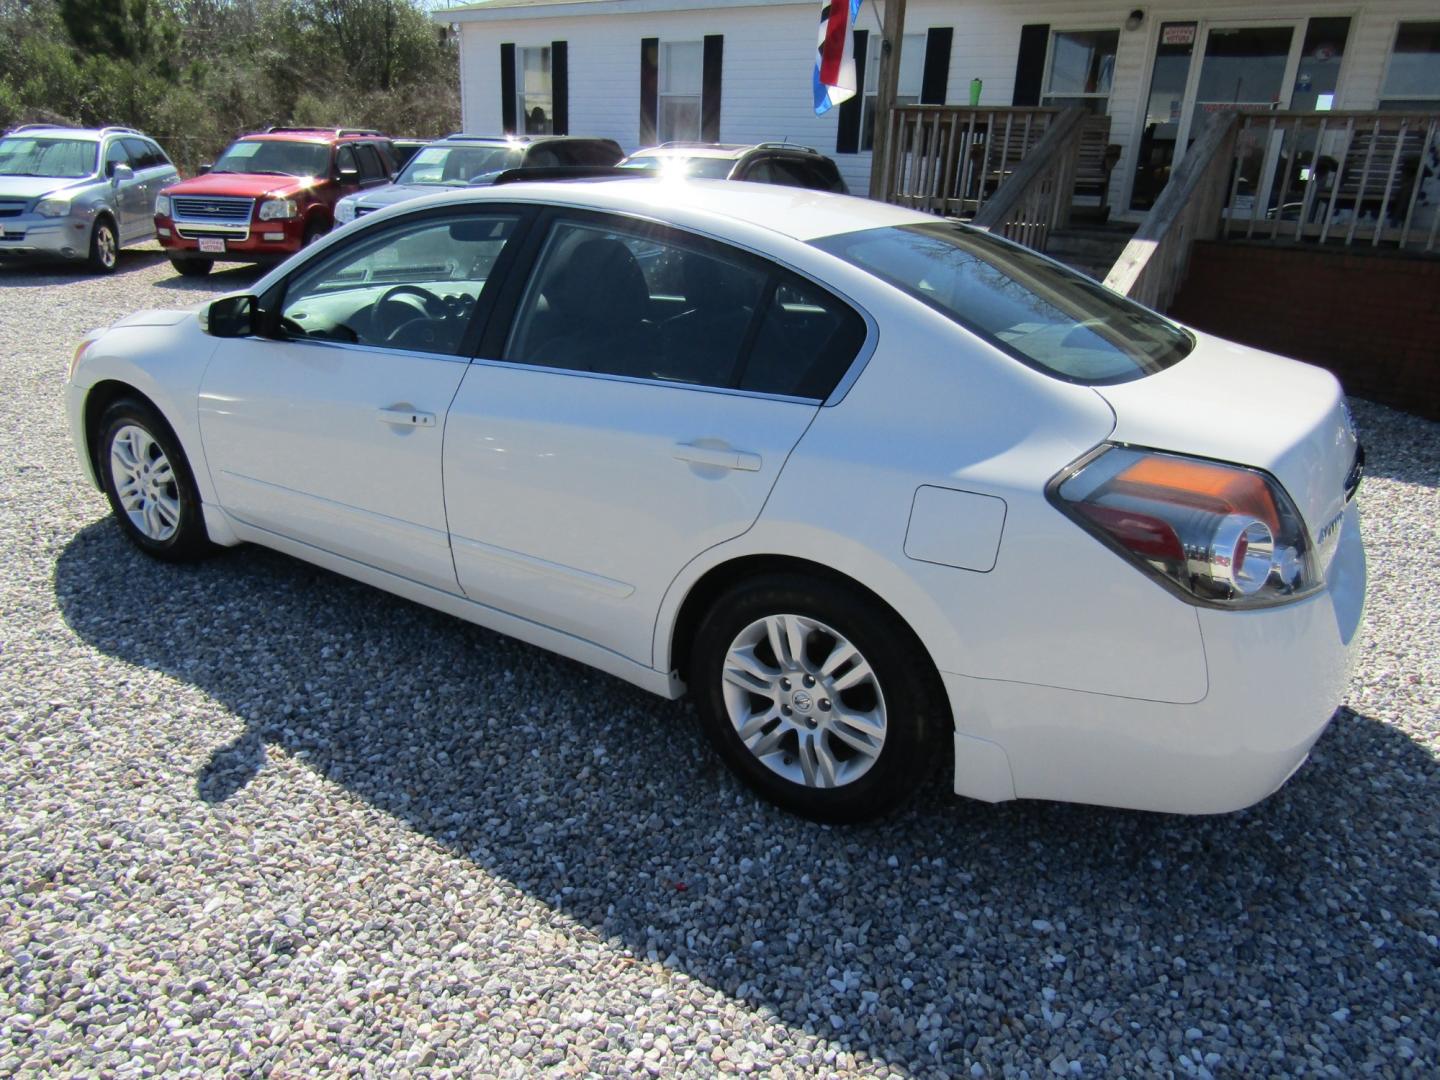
(191, 267)
(149, 484)
(817, 696)
(104, 247)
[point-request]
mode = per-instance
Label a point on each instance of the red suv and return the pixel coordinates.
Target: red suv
(268, 195)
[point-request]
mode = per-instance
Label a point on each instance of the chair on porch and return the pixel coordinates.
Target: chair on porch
(1379, 171)
(1094, 163)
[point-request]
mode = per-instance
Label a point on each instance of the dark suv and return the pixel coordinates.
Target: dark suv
(762, 163)
(268, 195)
(461, 160)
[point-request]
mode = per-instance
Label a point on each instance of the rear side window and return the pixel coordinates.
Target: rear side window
(806, 341)
(371, 166)
(1041, 313)
(143, 154)
(664, 306)
(576, 153)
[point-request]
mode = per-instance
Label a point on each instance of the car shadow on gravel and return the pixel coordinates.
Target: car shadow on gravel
(48, 273)
(227, 277)
(903, 941)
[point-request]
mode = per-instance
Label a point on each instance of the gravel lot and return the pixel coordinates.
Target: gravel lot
(260, 820)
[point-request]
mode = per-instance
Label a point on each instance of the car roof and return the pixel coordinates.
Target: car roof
(311, 135)
(800, 213)
(734, 151)
(60, 131)
(517, 140)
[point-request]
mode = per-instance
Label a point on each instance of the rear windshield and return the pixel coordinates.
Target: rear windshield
(456, 166)
(27, 155)
(1044, 315)
(708, 168)
(281, 157)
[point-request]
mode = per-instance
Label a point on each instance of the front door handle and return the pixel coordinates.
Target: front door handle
(722, 457)
(403, 417)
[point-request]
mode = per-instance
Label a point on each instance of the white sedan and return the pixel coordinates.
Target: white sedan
(876, 487)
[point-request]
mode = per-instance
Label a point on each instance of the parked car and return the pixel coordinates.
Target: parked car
(268, 195)
(762, 163)
(78, 193)
(405, 149)
(461, 160)
(869, 483)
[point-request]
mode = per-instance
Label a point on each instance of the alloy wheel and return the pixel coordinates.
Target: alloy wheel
(804, 701)
(105, 247)
(145, 483)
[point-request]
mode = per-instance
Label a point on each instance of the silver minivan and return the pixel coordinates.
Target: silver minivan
(79, 193)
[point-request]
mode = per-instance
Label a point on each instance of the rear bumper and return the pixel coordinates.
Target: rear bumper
(1275, 678)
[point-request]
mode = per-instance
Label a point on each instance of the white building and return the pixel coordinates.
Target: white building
(644, 71)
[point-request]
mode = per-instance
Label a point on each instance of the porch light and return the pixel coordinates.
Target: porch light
(1134, 19)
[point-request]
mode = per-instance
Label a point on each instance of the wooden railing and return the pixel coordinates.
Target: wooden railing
(1337, 177)
(951, 159)
(1154, 262)
(1035, 198)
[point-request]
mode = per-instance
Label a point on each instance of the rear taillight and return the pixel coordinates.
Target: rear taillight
(1215, 533)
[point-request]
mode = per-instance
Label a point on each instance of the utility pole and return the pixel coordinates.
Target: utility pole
(891, 32)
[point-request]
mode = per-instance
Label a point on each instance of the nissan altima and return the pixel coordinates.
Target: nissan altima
(878, 489)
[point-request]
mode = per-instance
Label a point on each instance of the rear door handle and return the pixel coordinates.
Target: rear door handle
(402, 417)
(719, 457)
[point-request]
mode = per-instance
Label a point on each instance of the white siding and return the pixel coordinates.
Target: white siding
(770, 48)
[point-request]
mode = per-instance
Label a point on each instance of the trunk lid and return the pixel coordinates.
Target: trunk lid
(1242, 405)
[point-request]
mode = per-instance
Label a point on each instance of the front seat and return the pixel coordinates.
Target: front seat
(597, 305)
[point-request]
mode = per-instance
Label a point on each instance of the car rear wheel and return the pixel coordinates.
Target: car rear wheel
(149, 483)
(104, 247)
(189, 267)
(817, 696)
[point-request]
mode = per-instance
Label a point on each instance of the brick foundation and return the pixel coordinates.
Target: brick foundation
(1373, 318)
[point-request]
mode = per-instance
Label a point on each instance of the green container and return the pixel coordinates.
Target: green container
(975, 85)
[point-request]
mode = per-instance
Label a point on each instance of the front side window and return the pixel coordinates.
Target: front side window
(681, 64)
(1412, 80)
(69, 159)
(1082, 68)
(410, 286)
(116, 154)
(907, 88)
(277, 157)
(660, 305)
(1044, 315)
(534, 90)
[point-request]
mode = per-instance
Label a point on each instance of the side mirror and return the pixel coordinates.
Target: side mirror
(229, 316)
(120, 172)
(349, 176)
(203, 169)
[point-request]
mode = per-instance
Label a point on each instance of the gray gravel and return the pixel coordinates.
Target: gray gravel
(258, 819)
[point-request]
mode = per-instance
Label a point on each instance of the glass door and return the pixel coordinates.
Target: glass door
(1240, 66)
(1244, 68)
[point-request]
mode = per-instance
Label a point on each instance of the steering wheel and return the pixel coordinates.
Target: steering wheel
(401, 307)
(431, 304)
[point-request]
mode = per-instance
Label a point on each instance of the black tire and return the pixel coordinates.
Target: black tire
(192, 267)
(908, 688)
(187, 539)
(313, 231)
(104, 247)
